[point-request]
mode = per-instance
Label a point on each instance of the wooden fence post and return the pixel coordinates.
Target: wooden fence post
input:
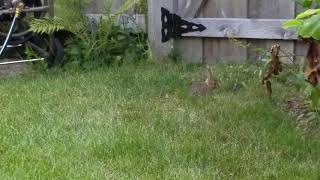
(159, 49)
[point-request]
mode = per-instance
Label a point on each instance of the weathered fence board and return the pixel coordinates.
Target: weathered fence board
(191, 49)
(243, 28)
(218, 49)
(270, 9)
(154, 26)
(189, 8)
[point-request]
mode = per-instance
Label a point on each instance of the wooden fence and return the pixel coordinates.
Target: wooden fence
(97, 6)
(255, 23)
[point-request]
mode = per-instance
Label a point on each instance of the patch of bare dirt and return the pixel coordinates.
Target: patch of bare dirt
(12, 69)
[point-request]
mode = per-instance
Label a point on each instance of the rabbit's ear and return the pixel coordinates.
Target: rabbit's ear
(210, 74)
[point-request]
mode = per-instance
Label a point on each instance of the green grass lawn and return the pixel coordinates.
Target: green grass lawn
(139, 122)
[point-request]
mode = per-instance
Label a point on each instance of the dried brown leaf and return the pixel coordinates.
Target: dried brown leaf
(273, 68)
(312, 70)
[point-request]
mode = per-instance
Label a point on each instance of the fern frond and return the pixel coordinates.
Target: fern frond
(52, 25)
(48, 25)
(127, 6)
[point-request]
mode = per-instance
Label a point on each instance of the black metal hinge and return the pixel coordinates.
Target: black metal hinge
(173, 26)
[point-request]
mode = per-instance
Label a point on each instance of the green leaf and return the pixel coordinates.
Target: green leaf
(308, 13)
(307, 3)
(291, 23)
(310, 28)
(315, 97)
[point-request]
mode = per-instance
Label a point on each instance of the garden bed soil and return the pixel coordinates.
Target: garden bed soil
(12, 69)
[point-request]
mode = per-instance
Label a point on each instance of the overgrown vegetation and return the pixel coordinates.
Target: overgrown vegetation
(95, 43)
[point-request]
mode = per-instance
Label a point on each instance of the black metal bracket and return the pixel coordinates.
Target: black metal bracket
(173, 26)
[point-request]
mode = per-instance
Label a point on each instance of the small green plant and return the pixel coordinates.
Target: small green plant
(308, 3)
(31, 54)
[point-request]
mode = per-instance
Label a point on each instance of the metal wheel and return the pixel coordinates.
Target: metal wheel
(49, 47)
(56, 52)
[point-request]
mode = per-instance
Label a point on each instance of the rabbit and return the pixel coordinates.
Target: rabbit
(203, 88)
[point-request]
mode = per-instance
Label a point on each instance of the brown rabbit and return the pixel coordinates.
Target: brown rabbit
(203, 88)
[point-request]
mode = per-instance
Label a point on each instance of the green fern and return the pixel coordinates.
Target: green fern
(48, 25)
(51, 25)
(104, 43)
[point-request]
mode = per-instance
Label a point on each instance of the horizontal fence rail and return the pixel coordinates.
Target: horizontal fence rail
(243, 28)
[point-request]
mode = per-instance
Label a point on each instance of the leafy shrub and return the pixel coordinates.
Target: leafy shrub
(95, 44)
(117, 47)
(307, 22)
(308, 28)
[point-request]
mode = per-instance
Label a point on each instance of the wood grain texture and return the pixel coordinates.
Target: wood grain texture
(159, 49)
(301, 50)
(191, 49)
(190, 8)
(270, 9)
(243, 28)
(216, 50)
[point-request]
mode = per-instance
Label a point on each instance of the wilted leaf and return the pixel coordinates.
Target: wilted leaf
(308, 71)
(274, 67)
(312, 73)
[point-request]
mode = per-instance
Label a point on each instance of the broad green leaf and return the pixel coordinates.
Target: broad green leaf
(291, 23)
(310, 28)
(307, 3)
(308, 13)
